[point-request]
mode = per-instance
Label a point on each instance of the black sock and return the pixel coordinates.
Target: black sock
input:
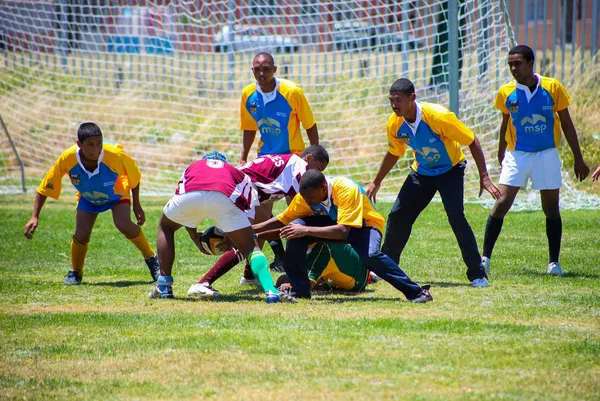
(492, 232)
(277, 247)
(554, 234)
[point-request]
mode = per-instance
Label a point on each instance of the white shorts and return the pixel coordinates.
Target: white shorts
(542, 167)
(191, 208)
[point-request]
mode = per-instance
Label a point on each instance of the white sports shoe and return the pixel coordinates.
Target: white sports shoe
(555, 269)
(245, 281)
(480, 282)
(486, 262)
(202, 290)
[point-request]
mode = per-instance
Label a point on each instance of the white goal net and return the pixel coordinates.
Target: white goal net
(164, 78)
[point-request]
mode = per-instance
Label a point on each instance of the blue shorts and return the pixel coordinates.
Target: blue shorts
(89, 207)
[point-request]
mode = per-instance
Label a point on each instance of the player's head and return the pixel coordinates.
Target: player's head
(313, 187)
(214, 155)
(521, 61)
(316, 157)
(264, 68)
(89, 140)
(402, 97)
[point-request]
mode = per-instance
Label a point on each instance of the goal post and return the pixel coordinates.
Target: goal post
(164, 78)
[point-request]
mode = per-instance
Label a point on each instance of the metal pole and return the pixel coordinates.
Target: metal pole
(14, 148)
(230, 54)
(453, 55)
(405, 40)
(545, 33)
(594, 43)
(583, 18)
(554, 23)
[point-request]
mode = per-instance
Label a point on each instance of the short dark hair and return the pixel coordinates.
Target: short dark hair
(87, 130)
(312, 179)
(404, 86)
(267, 55)
(523, 50)
(318, 152)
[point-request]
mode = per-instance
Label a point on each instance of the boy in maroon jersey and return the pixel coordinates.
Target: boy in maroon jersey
(274, 177)
(211, 188)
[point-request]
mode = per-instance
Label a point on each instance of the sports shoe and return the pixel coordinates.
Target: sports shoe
(166, 292)
(373, 278)
(152, 263)
(248, 281)
(424, 296)
(283, 296)
(72, 278)
(200, 290)
(486, 263)
(480, 282)
(163, 288)
(554, 268)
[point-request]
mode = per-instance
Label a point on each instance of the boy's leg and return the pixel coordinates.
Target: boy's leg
(84, 223)
(451, 188)
(366, 242)
(295, 255)
(165, 243)
(550, 205)
(225, 263)
(122, 219)
(414, 196)
(496, 218)
(244, 241)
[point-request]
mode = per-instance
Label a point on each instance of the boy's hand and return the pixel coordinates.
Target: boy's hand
(30, 227)
(139, 214)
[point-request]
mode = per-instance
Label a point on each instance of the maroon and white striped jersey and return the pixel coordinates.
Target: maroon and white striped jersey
(275, 176)
(215, 175)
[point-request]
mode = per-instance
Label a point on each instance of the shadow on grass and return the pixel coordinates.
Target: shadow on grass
(538, 273)
(447, 284)
(122, 284)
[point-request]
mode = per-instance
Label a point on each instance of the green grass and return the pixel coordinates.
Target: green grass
(526, 337)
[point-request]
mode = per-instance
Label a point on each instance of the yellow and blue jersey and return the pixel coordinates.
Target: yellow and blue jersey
(533, 123)
(436, 142)
(112, 180)
(347, 203)
(278, 121)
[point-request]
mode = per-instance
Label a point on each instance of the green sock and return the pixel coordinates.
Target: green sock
(260, 269)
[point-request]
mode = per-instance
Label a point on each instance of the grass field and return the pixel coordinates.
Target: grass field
(528, 336)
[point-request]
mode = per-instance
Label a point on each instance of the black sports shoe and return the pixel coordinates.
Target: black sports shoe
(72, 278)
(424, 296)
(152, 263)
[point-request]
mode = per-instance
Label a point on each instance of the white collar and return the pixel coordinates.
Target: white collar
(327, 202)
(93, 173)
(415, 125)
(525, 88)
(269, 96)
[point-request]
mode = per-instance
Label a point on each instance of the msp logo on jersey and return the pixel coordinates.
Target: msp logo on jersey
(530, 124)
(431, 155)
(75, 179)
(252, 106)
(404, 137)
(513, 106)
(269, 126)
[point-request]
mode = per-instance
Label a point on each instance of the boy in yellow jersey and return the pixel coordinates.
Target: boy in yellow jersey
(103, 175)
(336, 209)
(274, 107)
(534, 109)
(334, 266)
(436, 135)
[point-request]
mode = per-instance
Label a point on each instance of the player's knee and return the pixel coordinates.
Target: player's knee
(81, 237)
(127, 227)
